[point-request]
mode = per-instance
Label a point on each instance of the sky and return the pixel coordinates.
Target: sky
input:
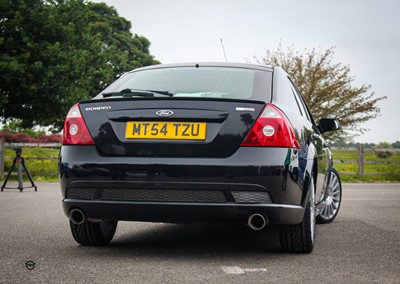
(365, 34)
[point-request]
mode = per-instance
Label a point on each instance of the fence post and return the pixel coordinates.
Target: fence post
(360, 159)
(1, 158)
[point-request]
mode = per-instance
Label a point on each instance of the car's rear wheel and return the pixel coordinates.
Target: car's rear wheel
(330, 199)
(300, 238)
(93, 233)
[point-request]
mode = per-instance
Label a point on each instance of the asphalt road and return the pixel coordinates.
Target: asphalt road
(361, 246)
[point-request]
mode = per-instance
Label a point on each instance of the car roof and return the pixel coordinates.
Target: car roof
(208, 64)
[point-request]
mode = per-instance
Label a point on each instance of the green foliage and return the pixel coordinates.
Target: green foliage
(396, 145)
(339, 143)
(383, 153)
(384, 150)
(327, 87)
(55, 53)
(384, 145)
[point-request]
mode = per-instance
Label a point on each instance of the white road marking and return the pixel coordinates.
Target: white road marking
(238, 270)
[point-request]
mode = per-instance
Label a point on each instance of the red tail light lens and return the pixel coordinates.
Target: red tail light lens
(272, 129)
(75, 129)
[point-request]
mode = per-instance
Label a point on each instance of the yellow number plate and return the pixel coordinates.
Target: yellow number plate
(165, 130)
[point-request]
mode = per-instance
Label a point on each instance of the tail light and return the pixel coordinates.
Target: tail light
(271, 129)
(75, 129)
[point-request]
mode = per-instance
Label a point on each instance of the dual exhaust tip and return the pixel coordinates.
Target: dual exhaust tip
(256, 221)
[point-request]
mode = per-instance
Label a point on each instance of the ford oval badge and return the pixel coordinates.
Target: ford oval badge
(164, 112)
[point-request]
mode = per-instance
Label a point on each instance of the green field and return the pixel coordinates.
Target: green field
(375, 169)
(46, 170)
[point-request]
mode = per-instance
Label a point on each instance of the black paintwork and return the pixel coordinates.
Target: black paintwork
(217, 167)
(226, 127)
(82, 167)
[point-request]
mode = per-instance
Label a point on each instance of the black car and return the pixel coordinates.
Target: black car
(198, 143)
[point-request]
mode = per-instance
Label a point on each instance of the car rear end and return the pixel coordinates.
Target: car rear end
(182, 143)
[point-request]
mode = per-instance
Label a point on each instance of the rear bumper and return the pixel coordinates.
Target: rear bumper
(190, 190)
(183, 212)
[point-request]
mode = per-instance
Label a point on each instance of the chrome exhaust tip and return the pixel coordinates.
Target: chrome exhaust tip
(257, 222)
(77, 217)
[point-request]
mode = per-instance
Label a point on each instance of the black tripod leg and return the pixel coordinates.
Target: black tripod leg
(8, 175)
(20, 177)
(28, 174)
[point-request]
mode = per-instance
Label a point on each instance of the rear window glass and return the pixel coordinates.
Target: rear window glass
(202, 82)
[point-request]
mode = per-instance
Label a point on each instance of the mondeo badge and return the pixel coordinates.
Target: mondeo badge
(164, 112)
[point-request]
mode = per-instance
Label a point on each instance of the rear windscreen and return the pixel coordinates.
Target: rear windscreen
(202, 82)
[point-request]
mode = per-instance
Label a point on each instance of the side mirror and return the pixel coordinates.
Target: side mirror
(328, 124)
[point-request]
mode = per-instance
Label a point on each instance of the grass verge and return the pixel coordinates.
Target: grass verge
(41, 163)
(375, 169)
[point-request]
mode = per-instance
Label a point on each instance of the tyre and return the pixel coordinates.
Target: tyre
(330, 199)
(300, 238)
(93, 233)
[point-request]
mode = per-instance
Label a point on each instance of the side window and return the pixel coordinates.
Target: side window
(287, 96)
(300, 101)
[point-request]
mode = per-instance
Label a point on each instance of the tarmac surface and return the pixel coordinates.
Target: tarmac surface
(361, 246)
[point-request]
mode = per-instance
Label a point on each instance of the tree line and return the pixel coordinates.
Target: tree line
(381, 145)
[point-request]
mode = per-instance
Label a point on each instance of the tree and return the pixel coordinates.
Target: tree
(124, 51)
(396, 145)
(384, 150)
(327, 87)
(54, 53)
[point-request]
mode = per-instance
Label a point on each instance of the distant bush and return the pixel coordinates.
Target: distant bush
(11, 137)
(384, 153)
(17, 137)
(384, 150)
(52, 138)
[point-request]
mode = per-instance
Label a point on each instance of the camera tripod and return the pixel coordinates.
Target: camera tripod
(20, 162)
